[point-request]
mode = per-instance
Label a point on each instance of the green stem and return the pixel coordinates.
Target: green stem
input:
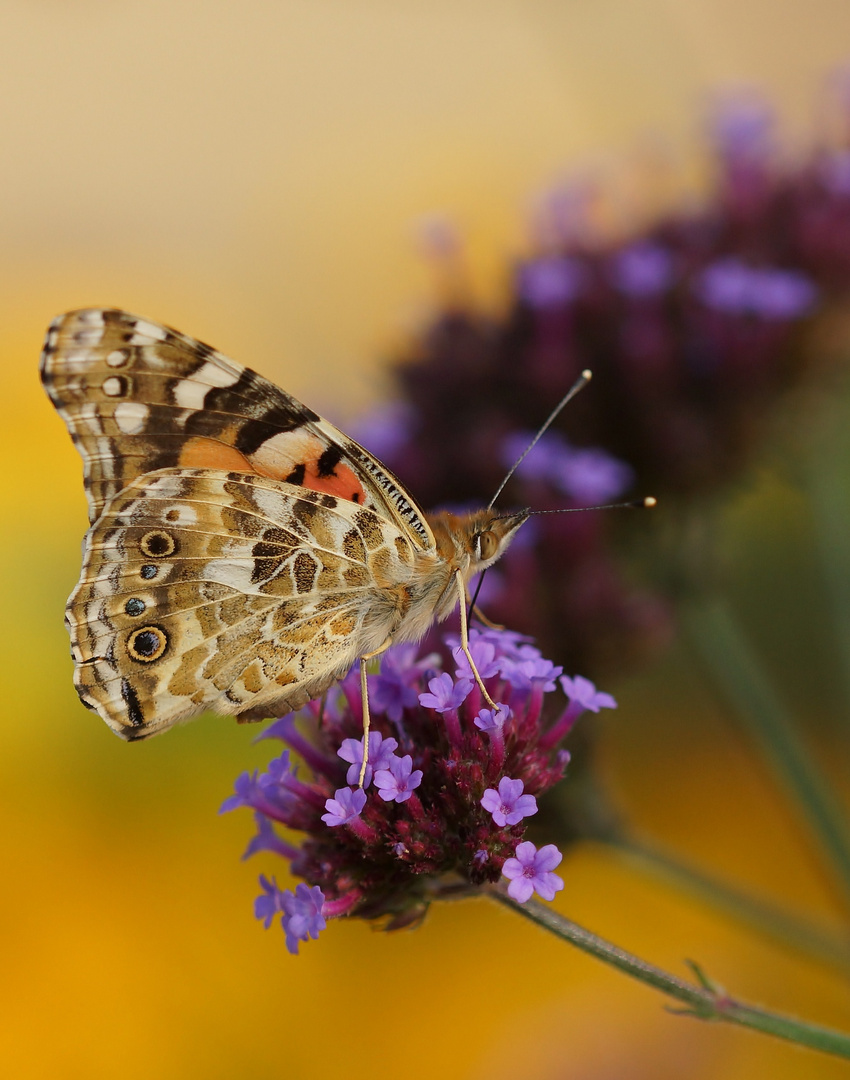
(830, 947)
(726, 652)
(706, 1002)
(831, 520)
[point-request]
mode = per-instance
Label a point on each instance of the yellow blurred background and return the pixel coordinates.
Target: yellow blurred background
(253, 174)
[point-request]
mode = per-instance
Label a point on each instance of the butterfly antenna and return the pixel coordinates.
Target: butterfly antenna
(579, 384)
(634, 504)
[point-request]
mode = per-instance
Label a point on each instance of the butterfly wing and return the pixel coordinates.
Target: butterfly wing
(139, 397)
(206, 589)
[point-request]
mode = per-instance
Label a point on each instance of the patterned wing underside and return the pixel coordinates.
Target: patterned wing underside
(205, 589)
(139, 397)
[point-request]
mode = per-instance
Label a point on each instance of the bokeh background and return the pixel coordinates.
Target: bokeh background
(255, 175)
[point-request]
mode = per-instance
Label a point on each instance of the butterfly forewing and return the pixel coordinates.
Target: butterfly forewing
(138, 397)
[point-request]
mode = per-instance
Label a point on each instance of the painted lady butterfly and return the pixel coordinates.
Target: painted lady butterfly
(243, 553)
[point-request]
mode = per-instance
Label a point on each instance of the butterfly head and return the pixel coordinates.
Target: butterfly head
(475, 541)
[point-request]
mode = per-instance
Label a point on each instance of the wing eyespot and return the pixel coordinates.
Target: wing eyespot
(158, 544)
(147, 644)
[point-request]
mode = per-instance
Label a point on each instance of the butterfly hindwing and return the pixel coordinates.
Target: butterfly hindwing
(138, 397)
(207, 589)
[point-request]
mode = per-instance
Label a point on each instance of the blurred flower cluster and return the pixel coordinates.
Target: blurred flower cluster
(447, 789)
(693, 327)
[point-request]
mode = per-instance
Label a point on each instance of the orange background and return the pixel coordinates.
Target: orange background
(253, 174)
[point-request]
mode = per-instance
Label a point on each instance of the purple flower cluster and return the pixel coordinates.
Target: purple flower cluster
(693, 328)
(448, 789)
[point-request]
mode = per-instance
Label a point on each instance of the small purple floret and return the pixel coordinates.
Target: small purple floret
(380, 753)
(483, 656)
(531, 871)
(581, 691)
(302, 917)
(445, 693)
(508, 805)
(346, 805)
(398, 782)
(525, 673)
(492, 719)
(270, 903)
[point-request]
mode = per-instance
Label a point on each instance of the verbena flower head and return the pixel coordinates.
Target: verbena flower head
(694, 326)
(450, 788)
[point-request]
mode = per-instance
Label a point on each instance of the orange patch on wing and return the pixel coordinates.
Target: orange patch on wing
(202, 453)
(342, 483)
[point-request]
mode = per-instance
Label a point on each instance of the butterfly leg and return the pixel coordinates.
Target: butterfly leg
(464, 639)
(364, 698)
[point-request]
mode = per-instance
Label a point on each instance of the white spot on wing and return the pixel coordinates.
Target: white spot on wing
(131, 417)
(232, 574)
(88, 337)
(112, 387)
(271, 503)
(118, 358)
(190, 393)
(145, 331)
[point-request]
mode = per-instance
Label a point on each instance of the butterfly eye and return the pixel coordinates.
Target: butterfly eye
(486, 546)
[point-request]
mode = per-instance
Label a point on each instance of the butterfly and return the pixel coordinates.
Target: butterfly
(243, 552)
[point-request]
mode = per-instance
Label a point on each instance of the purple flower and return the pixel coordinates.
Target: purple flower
(642, 270)
(523, 674)
(508, 805)
(582, 692)
(397, 782)
(380, 753)
(545, 462)
(592, 476)
(492, 719)
(484, 657)
(742, 126)
(268, 840)
(302, 917)
(394, 689)
(732, 287)
(272, 793)
(550, 282)
(346, 805)
(445, 694)
(531, 871)
(269, 904)
(420, 831)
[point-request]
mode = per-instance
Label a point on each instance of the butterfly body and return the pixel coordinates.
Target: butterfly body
(243, 553)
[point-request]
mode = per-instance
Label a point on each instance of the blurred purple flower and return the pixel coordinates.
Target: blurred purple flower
(731, 287)
(302, 918)
(550, 282)
(642, 270)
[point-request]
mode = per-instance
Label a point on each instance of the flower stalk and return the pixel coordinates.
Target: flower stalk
(706, 1001)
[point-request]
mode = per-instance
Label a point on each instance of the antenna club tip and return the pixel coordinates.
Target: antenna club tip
(587, 374)
(650, 501)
